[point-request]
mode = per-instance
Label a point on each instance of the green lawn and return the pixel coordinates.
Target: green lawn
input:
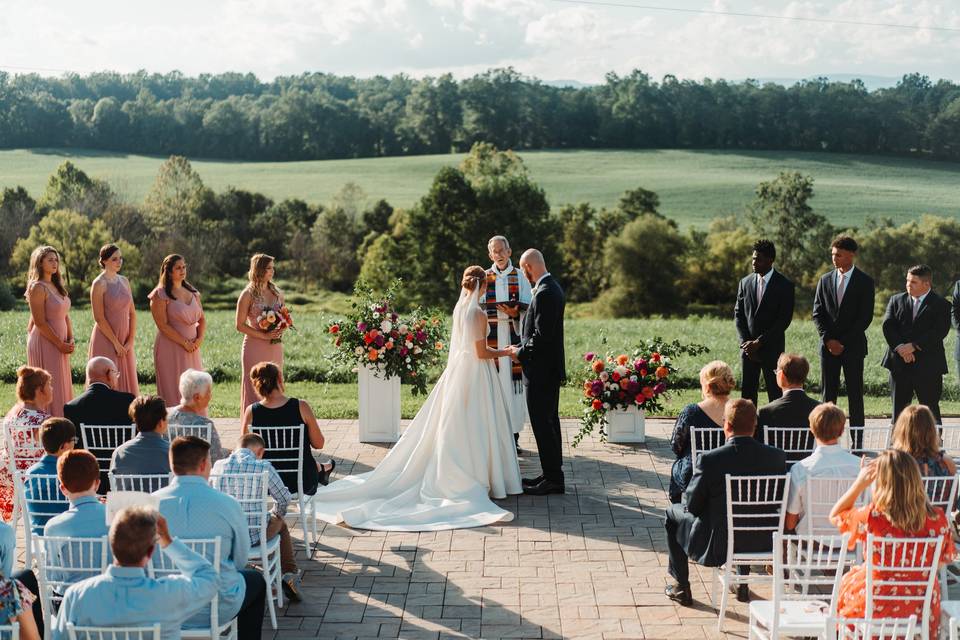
(331, 388)
(694, 186)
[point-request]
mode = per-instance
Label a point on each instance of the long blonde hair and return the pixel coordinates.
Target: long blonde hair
(258, 269)
(915, 432)
(898, 491)
(35, 273)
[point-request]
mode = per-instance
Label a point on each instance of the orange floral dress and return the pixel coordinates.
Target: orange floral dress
(852, 599)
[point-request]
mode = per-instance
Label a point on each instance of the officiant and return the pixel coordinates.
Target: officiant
(508, 296)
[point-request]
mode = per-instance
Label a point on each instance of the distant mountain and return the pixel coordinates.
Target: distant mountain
(871, 82)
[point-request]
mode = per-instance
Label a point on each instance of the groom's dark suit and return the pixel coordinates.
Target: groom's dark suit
(544, 371)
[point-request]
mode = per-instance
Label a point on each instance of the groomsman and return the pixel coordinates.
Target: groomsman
(955, 312)
(762, 314)
(914, 326)
(842, 311)
(508, 296)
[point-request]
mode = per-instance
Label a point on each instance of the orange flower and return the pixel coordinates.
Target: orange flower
(597, 365)
(596, 404)
(662, 372)
(622, 359)
(335, 329)
(372, 355)
(647, 392)
(438, 346)
(389, 344)
(264, 324)
(624, 384)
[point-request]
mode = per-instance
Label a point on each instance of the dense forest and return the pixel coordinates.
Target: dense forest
(319, 116)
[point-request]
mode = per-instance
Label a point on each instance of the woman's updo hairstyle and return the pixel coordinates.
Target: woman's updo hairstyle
(472, 277)
(718, 378)
(29, 381)
(265, 377)
(106, 252)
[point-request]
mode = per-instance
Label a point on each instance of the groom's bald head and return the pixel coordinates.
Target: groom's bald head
(533, 265)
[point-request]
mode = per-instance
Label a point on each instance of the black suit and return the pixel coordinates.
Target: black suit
(544, 372)
(955, 317)
(792, 409)
(848, 324)
(698, 528)
(927, 332)
(766, 322)
(99, 404)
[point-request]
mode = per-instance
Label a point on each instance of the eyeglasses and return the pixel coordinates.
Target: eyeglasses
(115, 372)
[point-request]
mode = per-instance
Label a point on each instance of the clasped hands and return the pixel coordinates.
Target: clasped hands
(907, 351)
(751, 349)
(512, 311)
(512, 352)
(835, 347)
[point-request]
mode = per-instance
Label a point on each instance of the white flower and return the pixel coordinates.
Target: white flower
(633, 378)
(409, 367)
(402, 328)
(604, 376)
(386, 326)
(380, 355)
(621, 370)
(606, 405)
(408, 358)
(417, 350)
(358, 351)
(408, 344)
(376, 315)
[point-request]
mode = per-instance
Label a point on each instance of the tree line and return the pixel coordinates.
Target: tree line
(627, 260)
(318, 116)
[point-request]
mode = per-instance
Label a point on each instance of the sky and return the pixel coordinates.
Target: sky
(553, 40)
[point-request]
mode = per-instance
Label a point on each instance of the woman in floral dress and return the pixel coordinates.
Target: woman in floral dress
(35, 392)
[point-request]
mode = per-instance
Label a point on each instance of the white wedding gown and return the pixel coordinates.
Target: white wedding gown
(455, 455)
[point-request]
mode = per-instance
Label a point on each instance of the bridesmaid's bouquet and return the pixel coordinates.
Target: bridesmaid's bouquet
(375, 335)
(273, 318)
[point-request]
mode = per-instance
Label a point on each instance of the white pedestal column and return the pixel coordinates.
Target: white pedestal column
(625, 426)
(379, 406)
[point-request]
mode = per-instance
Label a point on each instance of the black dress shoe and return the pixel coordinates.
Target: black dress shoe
(679, 594)
(743, 593)
(326, 473)
(544, 488)
(529, 482)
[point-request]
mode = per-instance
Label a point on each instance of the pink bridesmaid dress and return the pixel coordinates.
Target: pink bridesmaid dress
(117, 301)
(254, 351)
(169, 358)
(43, 354)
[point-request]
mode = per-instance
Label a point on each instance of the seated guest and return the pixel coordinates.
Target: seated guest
(101, 403)
(147, 453)
(196, 510)
(698, 528)
(58, 437)
(916, 433)
(828, 460)
(196, 390)
(248, 458)
(34, 394)
(125, 596)
(716, 383)
(793, 408)
(28, 590)
(899, 508)
(277, 410)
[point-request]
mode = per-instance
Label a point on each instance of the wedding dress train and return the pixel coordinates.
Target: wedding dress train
(456, 453)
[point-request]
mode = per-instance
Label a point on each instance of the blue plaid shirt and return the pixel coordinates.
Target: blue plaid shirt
(244, 460)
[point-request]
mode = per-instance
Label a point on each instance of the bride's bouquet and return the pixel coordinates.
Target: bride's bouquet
(375, 335)
(619, 381)
(273, 318)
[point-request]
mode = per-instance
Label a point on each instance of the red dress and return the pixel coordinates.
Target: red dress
(852, 599)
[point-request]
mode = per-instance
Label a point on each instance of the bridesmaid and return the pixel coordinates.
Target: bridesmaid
(115, 319)
(175, 305)
(259, 294)
(49, 331)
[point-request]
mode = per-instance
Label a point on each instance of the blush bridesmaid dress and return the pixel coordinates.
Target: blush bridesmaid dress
(170, 359)
(117, 302)
(254, 351)
(43, 354)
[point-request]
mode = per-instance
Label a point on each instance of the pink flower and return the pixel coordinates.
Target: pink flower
(588, 356)
(361, 326)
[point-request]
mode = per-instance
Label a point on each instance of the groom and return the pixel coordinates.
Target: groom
(541, 355)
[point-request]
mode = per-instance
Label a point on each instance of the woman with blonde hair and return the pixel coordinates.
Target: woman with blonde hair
(181, 324)
(899, 509)
(114, 319)
(916, 434)
(716, 383)
(260, 342)
(49, 331)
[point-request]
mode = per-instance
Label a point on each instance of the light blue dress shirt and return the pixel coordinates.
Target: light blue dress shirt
(8, 548)
(43, 511)
(86, 518)
(147, 453)
(126, 596)
(194, 509)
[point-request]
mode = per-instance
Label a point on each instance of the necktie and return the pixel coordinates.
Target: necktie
(916, 307)
(759, 288)
(841, 287)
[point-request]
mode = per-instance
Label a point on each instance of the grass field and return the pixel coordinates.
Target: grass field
(694, 186)
(332, 390)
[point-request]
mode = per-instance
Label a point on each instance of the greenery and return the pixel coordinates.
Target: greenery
(317, 115)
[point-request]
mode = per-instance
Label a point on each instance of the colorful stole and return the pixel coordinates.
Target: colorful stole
(513, 295)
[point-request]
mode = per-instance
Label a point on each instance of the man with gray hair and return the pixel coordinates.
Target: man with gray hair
(100, 404)
(508, 296)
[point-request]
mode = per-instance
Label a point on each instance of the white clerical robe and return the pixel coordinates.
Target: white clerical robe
(516, 402)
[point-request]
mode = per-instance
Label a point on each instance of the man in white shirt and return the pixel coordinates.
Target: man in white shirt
(508, 296)
(828, 460)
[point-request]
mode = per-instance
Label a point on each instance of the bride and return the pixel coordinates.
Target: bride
(457, 453)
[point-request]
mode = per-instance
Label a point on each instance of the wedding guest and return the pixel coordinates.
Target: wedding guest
(169, 600)
(147, 453)
(828, 460)
(260, 344)
(18, 604)
(49, 331)
(899, 508)
(762, 314)
(506, 301)
(914, 326)
(101, 403)
(277, 410)
(115, 319)
(248, 458)
(28, 595)
(58, 437)
(197, 510)
(793, 407)
(34, 394)
(916, 434)
(716, 383)
(175, 305)
(196, 391)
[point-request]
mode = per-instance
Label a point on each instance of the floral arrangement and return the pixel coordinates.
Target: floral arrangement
(619, 381)
(375, 335)
(273, 318)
